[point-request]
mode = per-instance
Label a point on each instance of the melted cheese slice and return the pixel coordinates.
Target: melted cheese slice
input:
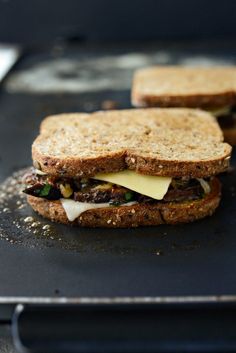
(220, 111)
(74, 209)
(148, 185)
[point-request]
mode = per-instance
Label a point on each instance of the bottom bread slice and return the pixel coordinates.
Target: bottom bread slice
(140, 214)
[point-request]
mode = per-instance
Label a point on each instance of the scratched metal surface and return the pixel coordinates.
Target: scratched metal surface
(189, 260)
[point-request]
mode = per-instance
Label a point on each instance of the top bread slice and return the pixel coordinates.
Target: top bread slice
(55, 122)
(166, 142)
(178, 86)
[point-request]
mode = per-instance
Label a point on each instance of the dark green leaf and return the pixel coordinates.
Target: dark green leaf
(129, 195)
(45, 190)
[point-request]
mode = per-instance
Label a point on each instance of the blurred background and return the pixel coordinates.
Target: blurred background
(35, 22)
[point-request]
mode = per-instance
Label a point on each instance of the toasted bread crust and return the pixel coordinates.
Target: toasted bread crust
(143, 165)
(164, 142)
(178, 169)
(206, 101)
(70, 167)
(135, 215)
(176, 86)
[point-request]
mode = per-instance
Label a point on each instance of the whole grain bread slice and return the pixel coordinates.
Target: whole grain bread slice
(178, 86)
(58, 121)
(135, 215)
(166, 142)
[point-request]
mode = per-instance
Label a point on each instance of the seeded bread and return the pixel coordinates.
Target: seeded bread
(165, 142)
(135, 215)
(56, 122)
(176, 86)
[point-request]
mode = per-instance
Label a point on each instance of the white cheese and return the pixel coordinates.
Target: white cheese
(220, 111)
(148, 185)
(74, 209)
(205, 185)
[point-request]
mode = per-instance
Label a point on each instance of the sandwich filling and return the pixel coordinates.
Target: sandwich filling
(113, 189)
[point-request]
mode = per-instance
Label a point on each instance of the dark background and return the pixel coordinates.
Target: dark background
(35, 21)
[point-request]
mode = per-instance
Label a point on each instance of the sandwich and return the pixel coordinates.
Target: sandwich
(209, 88)
(127, 168)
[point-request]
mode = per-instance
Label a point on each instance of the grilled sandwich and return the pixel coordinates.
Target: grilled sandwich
(127, 168)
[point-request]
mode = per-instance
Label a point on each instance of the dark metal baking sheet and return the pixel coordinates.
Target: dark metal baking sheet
(193, 260)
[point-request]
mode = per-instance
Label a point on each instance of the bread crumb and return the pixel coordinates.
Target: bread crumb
(35, 224)
(109, 105)
(28, 219)
(46, 227)
(6, 209)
